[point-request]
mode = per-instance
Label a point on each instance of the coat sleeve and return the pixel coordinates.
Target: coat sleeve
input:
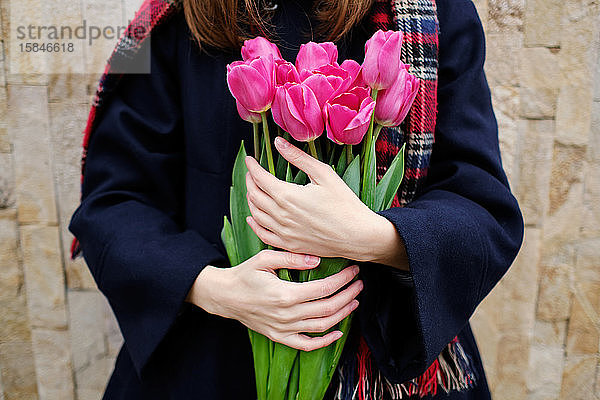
(130, 222)
(463, 230)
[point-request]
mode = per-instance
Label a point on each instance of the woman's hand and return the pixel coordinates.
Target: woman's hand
(323, 217)
(252, 293)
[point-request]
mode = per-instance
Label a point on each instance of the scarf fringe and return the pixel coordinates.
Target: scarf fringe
(361, 380)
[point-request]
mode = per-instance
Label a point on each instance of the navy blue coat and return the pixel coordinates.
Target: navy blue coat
(156, 188)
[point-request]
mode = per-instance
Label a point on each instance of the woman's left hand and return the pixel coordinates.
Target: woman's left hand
(323, 217)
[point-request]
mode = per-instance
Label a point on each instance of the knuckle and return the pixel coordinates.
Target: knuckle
(290, 259)
(327, 287)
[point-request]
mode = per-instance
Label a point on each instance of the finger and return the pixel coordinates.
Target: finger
(320, 288)
(307, 343)
(264, 234)
(324, 323)
(262, 218)
(265, 180)
(260, 199)
(328, 306)
(275, 259)
(314, 168)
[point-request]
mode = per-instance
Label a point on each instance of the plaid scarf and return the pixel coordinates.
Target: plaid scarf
(359, 378)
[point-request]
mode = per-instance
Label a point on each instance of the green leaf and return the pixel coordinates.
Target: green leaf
(280, 371)
(292, 386)
(390, 182)
(264, 161)
(289, 177)
(260, 353)
(248, 244)
(331, 150)
(341, 164)
(281, 167)
(367, 194)
(352, 175)
(318, 366)
(301, 178)
(229, 241)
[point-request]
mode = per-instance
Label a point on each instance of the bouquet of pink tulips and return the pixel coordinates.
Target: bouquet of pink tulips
(351, 103)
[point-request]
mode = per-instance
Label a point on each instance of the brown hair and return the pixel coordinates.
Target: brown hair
(225, 24)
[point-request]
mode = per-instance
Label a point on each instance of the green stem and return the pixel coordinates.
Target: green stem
(377, 130)
(365, 146)
(349, 155)
(256, 141)
(267, 142)
(313, 149)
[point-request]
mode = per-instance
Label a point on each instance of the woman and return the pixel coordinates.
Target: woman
(156, 184)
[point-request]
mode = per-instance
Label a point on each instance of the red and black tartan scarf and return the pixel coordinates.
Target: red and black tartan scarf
(417, 20)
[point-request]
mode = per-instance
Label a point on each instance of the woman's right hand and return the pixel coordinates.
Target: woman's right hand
(252, 293)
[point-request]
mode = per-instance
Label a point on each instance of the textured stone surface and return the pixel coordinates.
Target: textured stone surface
(7, 181)
(578, 377)
(18, 371)
(542, 17)
(554, 298)
(67, 121)
(540, 83)
(53, 364)
(28, 119)
(500, 69)
(535, 170)
(44, 279)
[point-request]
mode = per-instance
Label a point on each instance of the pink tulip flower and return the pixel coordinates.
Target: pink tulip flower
(285, 72)
(259, 46)
(252, 82)
(314, 55)
(382, 59)
(247, 115)
(348, 116)
(355, 71)
(394, 103)
(327, 81)
(297, 111)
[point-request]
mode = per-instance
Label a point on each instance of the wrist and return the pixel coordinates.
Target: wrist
(207, 290)
(385, 244)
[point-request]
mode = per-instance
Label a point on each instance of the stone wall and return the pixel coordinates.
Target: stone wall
(539, 330)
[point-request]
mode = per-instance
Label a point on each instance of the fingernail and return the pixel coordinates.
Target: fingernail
(361, 285)
(338, 334)
(311, 260)
(281, 142)
(355, 269)
(354, 304)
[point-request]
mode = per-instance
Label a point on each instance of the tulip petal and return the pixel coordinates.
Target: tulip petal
(250, 88)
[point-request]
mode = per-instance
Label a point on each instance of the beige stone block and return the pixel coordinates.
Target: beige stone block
(502, 70)
(574, 115)
(69, 88)
(7, 181)
(92, 362)
(104, 13)
(11, 277)
(591, 195)
(506, 15)
(587, 264)
(18, 371)
(67, 121)
(130, 9)
(578, 377)
(543, 22)
(584, 322)
(53, 364)
(535, 165)
(538, 103)
(28, 119)
(505, 101)
(545, 372)
(44, 276)
(86, 323)
(540, 68)
(4, 138)
(487, 335)
(549, 334)
(114, 338)
(513, 359)
(568, 163)
(554, 298)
